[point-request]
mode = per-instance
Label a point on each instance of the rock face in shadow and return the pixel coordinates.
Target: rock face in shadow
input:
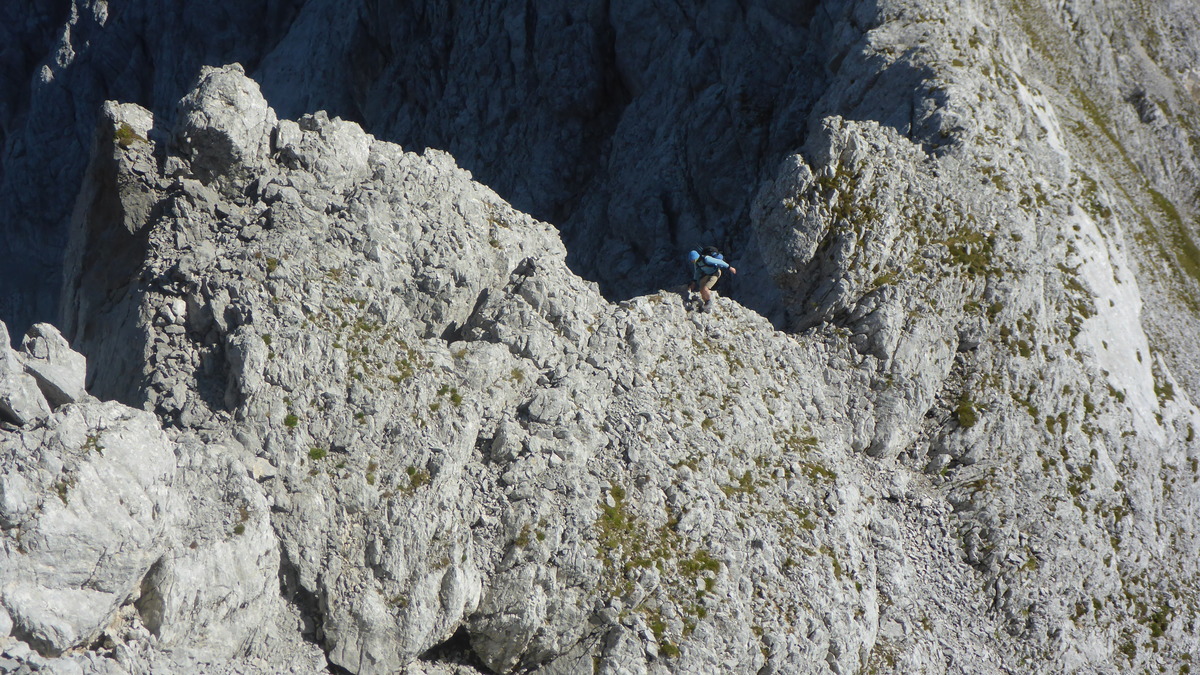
(639, 130)
(62, 62)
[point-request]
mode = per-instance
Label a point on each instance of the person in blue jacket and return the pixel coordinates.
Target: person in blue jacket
(707, 264)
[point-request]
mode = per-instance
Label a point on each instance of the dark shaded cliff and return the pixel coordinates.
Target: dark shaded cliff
(639, 130)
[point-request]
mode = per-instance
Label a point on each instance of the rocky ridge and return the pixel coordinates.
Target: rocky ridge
(420, 372)
(420, 442)
(406, 433)
(658, 122)
(994, 259)
(637, 129)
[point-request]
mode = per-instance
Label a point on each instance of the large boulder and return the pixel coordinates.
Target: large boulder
(223, 148)
(84, 502)
(59, 371)
(21, 401)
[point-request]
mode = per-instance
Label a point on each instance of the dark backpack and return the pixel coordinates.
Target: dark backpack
(704, 268)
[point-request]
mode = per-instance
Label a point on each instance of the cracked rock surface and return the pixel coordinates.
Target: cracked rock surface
(359, 413)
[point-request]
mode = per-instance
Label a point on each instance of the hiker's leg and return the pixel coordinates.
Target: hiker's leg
(706, 283)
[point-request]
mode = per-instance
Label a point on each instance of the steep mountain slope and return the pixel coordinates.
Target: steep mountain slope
(407, 436)
(447, 449)
(1044, 211)
(637, 129)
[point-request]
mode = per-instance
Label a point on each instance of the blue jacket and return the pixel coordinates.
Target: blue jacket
(706, 267)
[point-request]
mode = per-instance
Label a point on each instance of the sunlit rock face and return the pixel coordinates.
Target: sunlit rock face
(345, 405)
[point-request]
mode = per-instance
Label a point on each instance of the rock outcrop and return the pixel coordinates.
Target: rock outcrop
(659, 122)
(21, 401)
(638, 130)
(84, 500)
(367, 417)
(121, 539)
(83, 495)
(46, 373)
(992, 247)
(406, 433)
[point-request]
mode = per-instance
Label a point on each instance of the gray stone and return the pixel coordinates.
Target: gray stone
(16, 499)
(220, 148)
(217, 584)
(59, 371)
(964, 454)
(21, 401)
(20, 650)
(96, 523)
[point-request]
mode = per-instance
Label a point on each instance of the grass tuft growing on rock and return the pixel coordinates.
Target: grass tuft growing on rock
(966, 412)
(626, 544)
(125, 136)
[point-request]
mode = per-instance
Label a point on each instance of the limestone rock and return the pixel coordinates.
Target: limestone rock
(21, 401)
(222, 148)
(406, 436)
(367, 350)
(59, 371)
(117, 537)
(122, 187)
(216, 588)
(85, 501)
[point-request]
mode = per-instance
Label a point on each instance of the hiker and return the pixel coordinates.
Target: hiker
(706, 269)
